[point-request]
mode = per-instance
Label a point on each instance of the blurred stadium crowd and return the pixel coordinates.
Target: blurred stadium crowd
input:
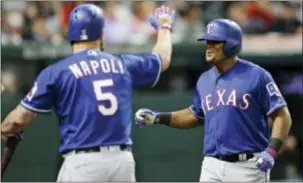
(46, 21)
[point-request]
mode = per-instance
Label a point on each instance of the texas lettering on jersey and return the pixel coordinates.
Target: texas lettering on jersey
(225, 98)
(235, 107)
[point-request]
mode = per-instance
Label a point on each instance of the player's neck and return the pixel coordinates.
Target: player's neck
(225, 65)
(78, 47)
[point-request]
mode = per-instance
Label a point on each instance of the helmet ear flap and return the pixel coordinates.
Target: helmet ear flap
(231, 48)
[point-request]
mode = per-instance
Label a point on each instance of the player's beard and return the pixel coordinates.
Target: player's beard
(210, 58)
(214, 54)
(215, 61)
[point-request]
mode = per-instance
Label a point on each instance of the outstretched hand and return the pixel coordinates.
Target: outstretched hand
(163, 18)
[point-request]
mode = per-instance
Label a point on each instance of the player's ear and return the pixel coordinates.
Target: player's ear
(101, 42)
(101, 45)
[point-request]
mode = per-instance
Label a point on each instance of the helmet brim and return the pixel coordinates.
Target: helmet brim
(209, 37)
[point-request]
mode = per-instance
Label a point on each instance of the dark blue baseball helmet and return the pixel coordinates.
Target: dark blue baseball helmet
(227, 31)
(86, 23)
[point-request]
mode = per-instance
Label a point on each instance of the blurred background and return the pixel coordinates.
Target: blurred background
(33, 36)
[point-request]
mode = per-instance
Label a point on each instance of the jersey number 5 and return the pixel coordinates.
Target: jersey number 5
(101, 96)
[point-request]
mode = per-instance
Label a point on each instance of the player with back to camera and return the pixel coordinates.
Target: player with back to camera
(91, 93)
(234, 100)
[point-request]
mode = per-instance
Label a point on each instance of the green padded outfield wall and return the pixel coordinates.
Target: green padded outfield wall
(167, 154)
(161, 153)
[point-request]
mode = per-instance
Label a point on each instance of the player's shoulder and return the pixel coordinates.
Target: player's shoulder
(122, 57)
(48, 69)
(252, 67)
(91, 54)
(60, 65)
(107, 55)
(206, 76)
(48, 74)
(126, 57)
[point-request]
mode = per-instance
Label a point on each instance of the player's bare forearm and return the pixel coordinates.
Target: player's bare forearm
(183, 119)
(16, 122)
(163, 47)
(281, 125)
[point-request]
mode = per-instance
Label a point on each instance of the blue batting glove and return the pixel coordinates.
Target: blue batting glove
(153, 22)
(144, 117)
(266, 159)
(163, 18)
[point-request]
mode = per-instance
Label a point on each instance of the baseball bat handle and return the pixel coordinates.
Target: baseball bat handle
(8, 153)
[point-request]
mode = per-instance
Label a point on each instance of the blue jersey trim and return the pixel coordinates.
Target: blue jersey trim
(159, 71)
(23, 104)
(190, 108)
(273, 109)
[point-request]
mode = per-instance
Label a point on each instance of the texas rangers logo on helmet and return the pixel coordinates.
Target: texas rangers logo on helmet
(210, 28)
(84, 35)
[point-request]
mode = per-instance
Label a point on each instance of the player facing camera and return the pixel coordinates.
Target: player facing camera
(214, 52)
(224, 41)
(234, 108)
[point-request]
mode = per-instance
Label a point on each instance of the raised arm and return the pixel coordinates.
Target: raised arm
(146, 68)
(163, 47)
(162, 21)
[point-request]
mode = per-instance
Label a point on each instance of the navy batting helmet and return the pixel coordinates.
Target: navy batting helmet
(227, 31)
(86, 23)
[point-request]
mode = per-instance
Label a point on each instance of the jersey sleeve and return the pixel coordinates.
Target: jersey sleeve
(145, 69)
(270, 95)
(40, 98)
(196, 108)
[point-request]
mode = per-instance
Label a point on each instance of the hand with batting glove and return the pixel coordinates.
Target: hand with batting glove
(266, 159)
(146, 117)
(163, 18)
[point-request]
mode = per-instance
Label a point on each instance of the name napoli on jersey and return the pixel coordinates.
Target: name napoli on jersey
(225, 98)
(94, 67)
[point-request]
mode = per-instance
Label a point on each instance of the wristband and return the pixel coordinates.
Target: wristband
(166, 27)
(165, 24)
(275, 144)
(164, 118)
